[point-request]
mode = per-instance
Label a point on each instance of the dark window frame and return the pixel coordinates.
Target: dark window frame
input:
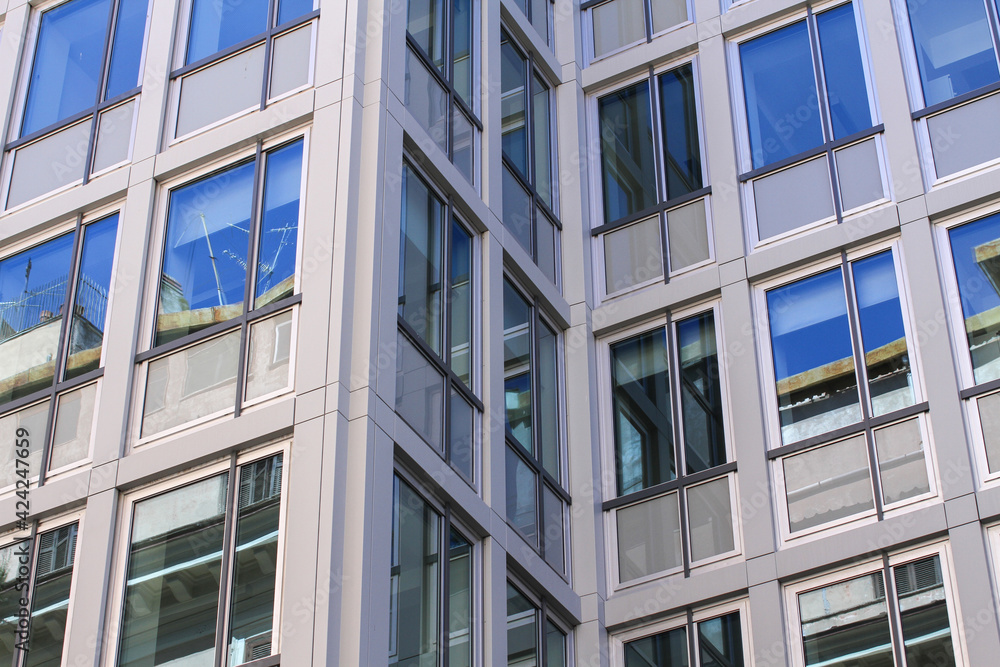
(543, 617)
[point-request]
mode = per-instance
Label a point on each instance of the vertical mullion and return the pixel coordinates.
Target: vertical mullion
(862, 376)
(102, 85)
(19, 655)
(447, 48)
(536, 444)
(895, 622)
(529, 123)
(659, 166)
(543, 614)
(647, 10)
(445, 570)
(822, 101)
(673, 379)
(692, 646)
(65, 332)
(445, 325)
(249, 288)
(226, 569)
(272, 20)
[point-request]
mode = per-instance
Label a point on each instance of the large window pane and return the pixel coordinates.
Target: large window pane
(720, 642)
(425, 21)
(616, 24)
(701, 393)
(426, 100)
(522, 635)
(172, 585)
(66, 72)
(975, 248)
(254, 567)
(126, 52)
(890, 379)
(845, 623)
(955, 51)
(828, 483)
(923, 611)
(681, 151)
(644, 450)
(668, 13)
(50, 596)
(517, 366)
(91, 299)
(542, 124)
(843, 71)
(279, 226)
(813, 357)
(217, 25)
(649, 538)
(419, 392)
(633, 255)
(782, 103)
(420, 275)
(628, 170)
(513, 104)
(205, 253)
(32, 297)
(522, 495)
(460, 582)
(667, 649)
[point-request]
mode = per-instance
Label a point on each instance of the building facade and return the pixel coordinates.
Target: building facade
(446, 333)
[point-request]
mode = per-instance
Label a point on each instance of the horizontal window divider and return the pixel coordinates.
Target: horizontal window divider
(955, 101)
(553, 218)
(857, 428)
(911, 411)
(980, 389)
(294, 23)
(537, 468)
(440, 78)
(54, 127)
(556, 487)
(688, 198)
(652, 210)
(675, 484)
(79, 380)
(438, 363)
(463, 389)
(49, 391)
(857, 136)
(584, 6)
(812, 153)
(215, 329)
(468, 112)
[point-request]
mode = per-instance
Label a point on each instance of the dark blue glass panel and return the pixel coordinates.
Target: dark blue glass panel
(667, 649)
(783, 115)
(628, 169)
(126, 53)
(66, 73)
(844, 72)
(205, 255)
(289, 10)
(680, 132)
(90, 306)
(975, 248)
(279, 226)
(218, 24)
(955, 51)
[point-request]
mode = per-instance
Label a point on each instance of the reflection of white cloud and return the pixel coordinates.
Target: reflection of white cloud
(806, 303)
(875, 282)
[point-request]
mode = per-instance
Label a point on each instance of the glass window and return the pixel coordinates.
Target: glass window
(954, 46)
(652, 180)
(719, 643)
(46, 565)
(786, 104)
(533, 639)
(536, 499)
(417, 609)
(177, 548)
(217, 27)
(849, 621)
(436, 355)
(667, 424)
(526, 121)
(48, 357)
(441, 89)
(619, 23)
(229, 260)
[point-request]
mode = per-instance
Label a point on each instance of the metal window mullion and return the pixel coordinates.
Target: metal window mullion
(891, 607)
(19, 655)
(862, 376)
(226, 567)
(692, 647)
(673, 379)
(822, 101)
(647, 10)
(256, 213)
(444, 594)
(660, 177)
(536, 446)
(101, 88)
(446, 326)
(272, 20)
(543, 618)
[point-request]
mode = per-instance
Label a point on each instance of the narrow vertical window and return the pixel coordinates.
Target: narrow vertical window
(533, 638)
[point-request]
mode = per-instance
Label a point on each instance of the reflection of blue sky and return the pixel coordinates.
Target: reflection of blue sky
(878, 301)
(279, 227)
(978, 295)
(99, 250)
(49, 261)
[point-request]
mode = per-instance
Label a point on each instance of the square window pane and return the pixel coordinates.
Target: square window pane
(463, 149)
(522, 635)
(632, 255)
(205, 253)
(616, 24)
(279, 226)
(32, 419)
(859, 175)
(216, 26)
(517, 210)
(460, 302)
(687, 235)
(90, 305)
(426, 100)
(975, 249)
(843, 71)
(791, 198)
(666, 649)
(845, 620)
(923, 611)
(902, 461)
(460, 605)
(268, 356)
(126, 52)
(710, 516)
(114, 136)
(291, 60)
(827, 483)
(681, 147)
(890, 378)
(555, 531)
(701, 393)
(419, 392)
(813, 357)
(649, 538)
(668, 13)
(720, 641)
(989, 417)
(462, 418)
(172, 585)
(954, 47)
(643, 427)
(517, 341)
(195, 382)
(628, 169)
(74, 423)
(420, 273)
(782, 102)
(522, 497)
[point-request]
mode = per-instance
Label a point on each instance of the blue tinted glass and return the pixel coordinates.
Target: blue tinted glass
(628, 171)
(680, 132)
(218, 24)
(975, 248)
(205, 254)
(781, 96)
(67, 69)
(954, 47)
(293, 9)
(90, 304)
(279, 226)
(126, 53)
(845, 75)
